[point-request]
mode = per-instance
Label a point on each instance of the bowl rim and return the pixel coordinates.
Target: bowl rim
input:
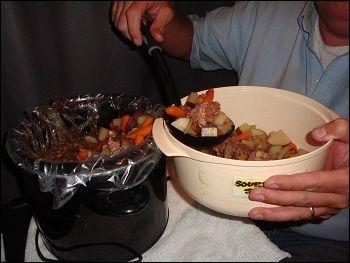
(200, 156)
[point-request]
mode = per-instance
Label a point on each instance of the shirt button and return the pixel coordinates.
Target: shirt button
(316, 81)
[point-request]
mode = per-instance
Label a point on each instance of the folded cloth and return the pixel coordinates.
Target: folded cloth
(195, 233)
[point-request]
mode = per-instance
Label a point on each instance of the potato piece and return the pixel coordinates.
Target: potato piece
(300, 151)
(283, 151)
(270, 133)
(141, 119)
(181, 124)
(209, 132)
(191, 99)
(244, 127)
(278, 138)
(193, 129)
(116, 122)
(90, 139)
(102, 134)
(105, 151)
(221, 119)
(257, 132)
(274, 150)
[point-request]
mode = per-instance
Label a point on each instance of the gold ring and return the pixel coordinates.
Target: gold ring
(312, 211)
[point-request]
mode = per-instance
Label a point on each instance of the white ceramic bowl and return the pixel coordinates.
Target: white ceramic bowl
(223, 184)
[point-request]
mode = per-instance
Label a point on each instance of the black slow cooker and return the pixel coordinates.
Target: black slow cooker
(103, 225)
(106, 210)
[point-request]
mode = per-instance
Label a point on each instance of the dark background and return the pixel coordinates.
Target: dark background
(61, 49)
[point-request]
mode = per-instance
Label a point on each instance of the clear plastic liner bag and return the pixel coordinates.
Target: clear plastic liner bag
(62, 123)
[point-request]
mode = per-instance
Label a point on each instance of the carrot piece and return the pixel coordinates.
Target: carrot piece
(148, 120)
(243, 136)
(209, 95)
(124, 121)
(175, 111)
(293, 146)
(138, 139)
(83, 154)
(145, 131)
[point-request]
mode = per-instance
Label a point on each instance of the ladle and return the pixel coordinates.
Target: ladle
(171, 95)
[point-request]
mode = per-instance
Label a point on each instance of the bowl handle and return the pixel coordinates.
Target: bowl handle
(162, 140)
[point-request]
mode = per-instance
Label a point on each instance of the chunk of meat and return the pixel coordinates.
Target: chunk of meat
(242, 151)
(114, 145)
(204, 113)
(233, 150)
(259, 155)
(254, 149)
(260, 143)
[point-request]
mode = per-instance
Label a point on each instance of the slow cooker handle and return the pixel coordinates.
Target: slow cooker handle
(162, 141)
(124, 202)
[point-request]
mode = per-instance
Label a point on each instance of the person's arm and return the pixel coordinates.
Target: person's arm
(172, 30)
(327, 191)
(178, 44)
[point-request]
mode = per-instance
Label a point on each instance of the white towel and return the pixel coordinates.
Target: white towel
(195, 233)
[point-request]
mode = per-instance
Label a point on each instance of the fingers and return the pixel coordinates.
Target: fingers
(113, 9)
(117, 7)
(335, 181)
(299, 198)
(162, 19)
(321, 188)
(117, 12)
(127, 17)
(290, 213)
(326, 191)
(337, 129)
(134, 17)
(122, 23)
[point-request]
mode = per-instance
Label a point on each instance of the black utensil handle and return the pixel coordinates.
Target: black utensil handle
(148, 40)
(162, 70)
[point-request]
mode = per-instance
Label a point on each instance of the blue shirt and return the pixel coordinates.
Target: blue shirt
(269, 44)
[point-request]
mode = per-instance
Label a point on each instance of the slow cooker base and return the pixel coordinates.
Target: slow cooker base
(125, 253)
(134, 218)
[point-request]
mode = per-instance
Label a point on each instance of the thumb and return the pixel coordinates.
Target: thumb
(162, 19)
(337, 129)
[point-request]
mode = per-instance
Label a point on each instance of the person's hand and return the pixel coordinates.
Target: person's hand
(128, 15)
(327, 191)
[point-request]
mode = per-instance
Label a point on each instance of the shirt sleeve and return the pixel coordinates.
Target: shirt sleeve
(221, 38)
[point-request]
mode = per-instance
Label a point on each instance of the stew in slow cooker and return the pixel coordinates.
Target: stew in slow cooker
(122, 134)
